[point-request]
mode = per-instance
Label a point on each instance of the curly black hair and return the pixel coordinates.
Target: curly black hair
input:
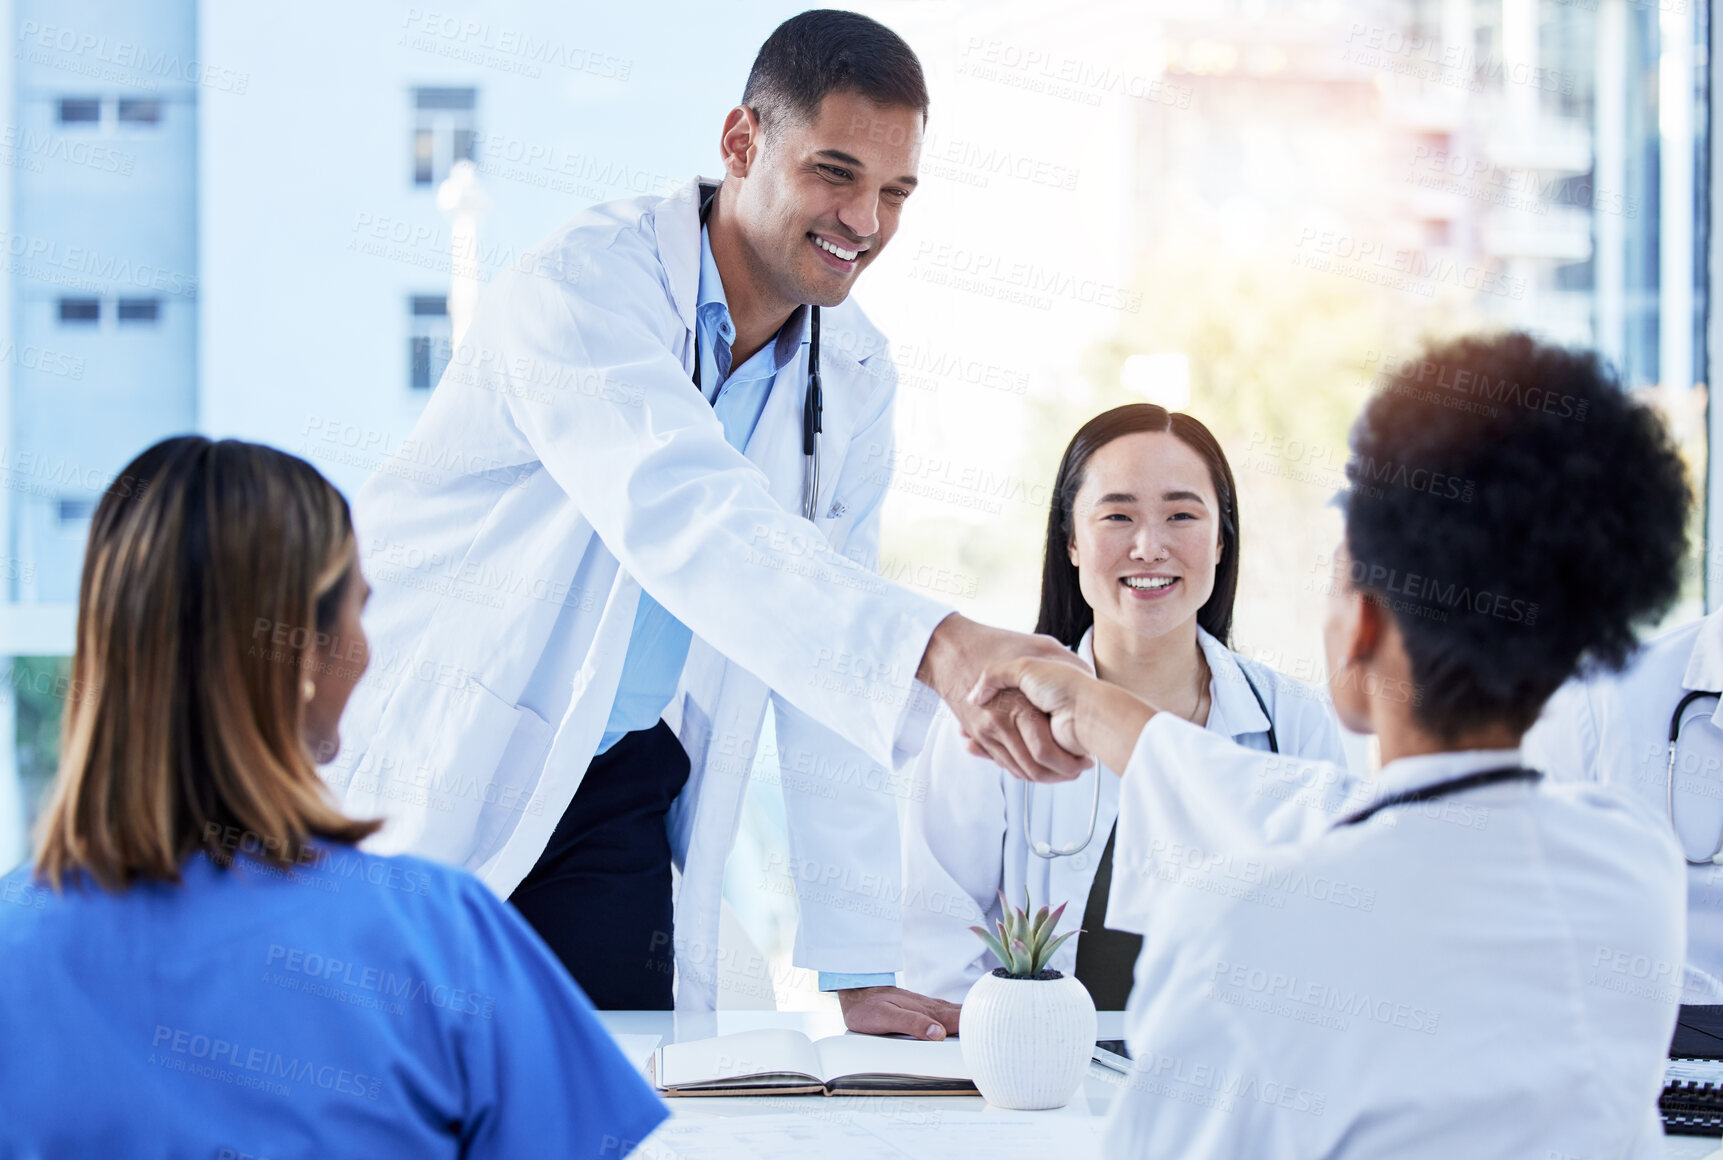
(1519, 515)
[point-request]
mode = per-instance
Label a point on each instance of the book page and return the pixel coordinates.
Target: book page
(734, 1056)
(841, 1055)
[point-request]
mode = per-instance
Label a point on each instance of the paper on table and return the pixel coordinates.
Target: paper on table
(638, 1049)
(766, 1051)
(766, 1138)
(842, 1055)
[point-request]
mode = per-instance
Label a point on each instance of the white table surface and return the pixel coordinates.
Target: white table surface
(948, 1127)
(934, 1127)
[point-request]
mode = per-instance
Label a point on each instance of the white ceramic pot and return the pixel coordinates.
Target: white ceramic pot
(1028, 1042)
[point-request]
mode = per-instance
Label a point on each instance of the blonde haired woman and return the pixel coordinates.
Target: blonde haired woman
(236, 977)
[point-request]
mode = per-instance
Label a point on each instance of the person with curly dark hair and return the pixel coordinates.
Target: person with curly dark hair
(1443, 963)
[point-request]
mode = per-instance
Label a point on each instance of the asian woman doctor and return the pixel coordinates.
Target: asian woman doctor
(1140, 573)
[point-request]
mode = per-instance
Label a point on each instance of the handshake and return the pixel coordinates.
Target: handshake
(1029, 703)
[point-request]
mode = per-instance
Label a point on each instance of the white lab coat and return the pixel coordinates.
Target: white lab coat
(1450, 978)
(963, 831)
(1614, 730)
(565, 461)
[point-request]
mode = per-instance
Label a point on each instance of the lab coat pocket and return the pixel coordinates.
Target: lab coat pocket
(512, 789)
(452, 738)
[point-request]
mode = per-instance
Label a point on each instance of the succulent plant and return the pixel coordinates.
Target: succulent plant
(1024, 944)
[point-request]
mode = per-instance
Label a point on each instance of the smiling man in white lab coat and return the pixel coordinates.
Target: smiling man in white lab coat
(1448, 968)
(582, 609)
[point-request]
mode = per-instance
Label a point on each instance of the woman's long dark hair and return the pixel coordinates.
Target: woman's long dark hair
(1065, 615)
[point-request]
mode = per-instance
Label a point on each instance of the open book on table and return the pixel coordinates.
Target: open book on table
(779, 1062)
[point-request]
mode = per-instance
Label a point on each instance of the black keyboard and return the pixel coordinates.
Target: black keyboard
(1691, 1108)
(1692, 1100)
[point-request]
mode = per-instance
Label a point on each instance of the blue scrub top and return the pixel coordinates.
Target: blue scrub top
(358, 1006)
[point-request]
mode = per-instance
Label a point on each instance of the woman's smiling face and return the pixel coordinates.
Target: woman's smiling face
(1145, 533)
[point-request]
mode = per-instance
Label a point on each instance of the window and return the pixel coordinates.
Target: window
(139, 111)
(80, 110)
(80, 311)
(428, 340)
(139, 309)
(443, 132)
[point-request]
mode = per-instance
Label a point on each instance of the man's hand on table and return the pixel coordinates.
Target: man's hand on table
(895, 1011)
(1007, 728)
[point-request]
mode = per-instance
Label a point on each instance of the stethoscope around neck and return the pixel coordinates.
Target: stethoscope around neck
(813, 402)
(1716, 855)
(1049, 851)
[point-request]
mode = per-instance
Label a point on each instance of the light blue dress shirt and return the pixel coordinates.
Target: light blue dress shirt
(658, 644)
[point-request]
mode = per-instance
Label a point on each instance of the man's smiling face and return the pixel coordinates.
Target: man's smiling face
(822, 195)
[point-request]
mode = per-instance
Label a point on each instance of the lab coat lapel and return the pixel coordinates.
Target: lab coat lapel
(1705, 665)
(1067, 810)
(1234, 712)
(676, 222)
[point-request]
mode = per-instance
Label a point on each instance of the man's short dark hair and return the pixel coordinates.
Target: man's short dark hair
(827, 51)
(1519, 515)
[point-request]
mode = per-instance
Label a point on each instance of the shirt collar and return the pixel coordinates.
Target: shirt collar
(711, 304)
(1233, 708)
(1705, 665)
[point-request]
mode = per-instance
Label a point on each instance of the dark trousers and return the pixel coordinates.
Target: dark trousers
(600, 892)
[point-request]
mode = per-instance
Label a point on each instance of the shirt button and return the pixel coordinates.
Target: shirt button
(1080, 862)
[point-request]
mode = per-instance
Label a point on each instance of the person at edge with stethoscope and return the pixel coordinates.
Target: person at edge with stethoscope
(1140, 572)
(1655, 732)
(1446, 970)
(663, 447)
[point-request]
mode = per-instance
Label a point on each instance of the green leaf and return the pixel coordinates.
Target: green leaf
(1046, 955)
(1021, 959)
(994, 945)
(1044, 929)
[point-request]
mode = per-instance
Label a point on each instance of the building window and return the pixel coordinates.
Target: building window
(80, 311)
(80, 110)
(443, 132)
(428, 340)
(139, 310)
(139, 111)
(74, 510)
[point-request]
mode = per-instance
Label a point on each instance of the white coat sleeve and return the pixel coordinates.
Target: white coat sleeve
(1191, 798)
(629, 439)
(953, 852)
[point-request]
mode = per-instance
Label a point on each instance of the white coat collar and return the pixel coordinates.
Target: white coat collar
(676, 223)
(1233, 708)
(1705, 664)
(1410, 773)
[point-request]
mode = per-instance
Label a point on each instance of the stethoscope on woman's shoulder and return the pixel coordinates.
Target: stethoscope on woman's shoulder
(1047, 850)
(813, 402)
(1716, 855)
